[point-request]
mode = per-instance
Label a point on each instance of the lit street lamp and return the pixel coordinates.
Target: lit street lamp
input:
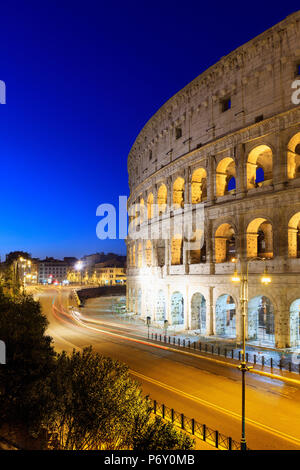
(243, 279)
(78, 267)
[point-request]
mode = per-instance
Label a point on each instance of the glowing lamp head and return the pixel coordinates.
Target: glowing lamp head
(79, 265)
(266, 278)
(235, 277)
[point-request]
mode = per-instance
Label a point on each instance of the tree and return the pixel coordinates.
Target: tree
(99, 406)
(25, 394)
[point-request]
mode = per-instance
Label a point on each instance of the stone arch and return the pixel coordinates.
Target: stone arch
(225, 316)
(225, 243)
(293, 157)
(161, 306)
(162, 197)
(198, 313)
(139, 302)
(197, 248)
(199, 186)
(177, 308)
(260, 167)
(261, 320)
(178, 192)
(150, 200)
(140, 255)
(224, 173)
(176, 250)
(295, 323)
(260, 238)
(294, 236)
(148, 253)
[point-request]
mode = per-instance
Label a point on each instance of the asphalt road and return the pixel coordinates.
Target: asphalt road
(203, 389)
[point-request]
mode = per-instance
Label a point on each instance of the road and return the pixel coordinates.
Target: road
(206, 390)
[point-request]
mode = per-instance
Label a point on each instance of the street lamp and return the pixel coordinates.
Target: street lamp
(148, 324)
(243, 279)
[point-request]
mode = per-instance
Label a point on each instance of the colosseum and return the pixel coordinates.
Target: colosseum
(226, 146)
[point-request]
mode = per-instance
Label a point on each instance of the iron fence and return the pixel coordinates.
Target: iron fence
(193, 427)
(251, 358)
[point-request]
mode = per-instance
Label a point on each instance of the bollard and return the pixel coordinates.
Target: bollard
(263, 360)
(239, 355)
(189, 344)
(183, 343)
(290, 367)
(193, 426)
(212, 348)
(232, 353)
(247, 357)
(229, 443)
(217, 439)
(271, 362)
(172, 415)
(205, 347)
(151, 335)
(169, 339)
(182, 421)
(178, 341)
(156, 336)
(204, 432)
(163, 410)
(194, 344)
(165, 339)
(225, 352)
(254, 358)
(154, 407)
(159, 337)
(219, 350)
(174, 340)
(200, 347)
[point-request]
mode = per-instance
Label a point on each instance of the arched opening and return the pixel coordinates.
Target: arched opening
(176, 250)
(199, 186)
(140, 255)
(295, 323)
(261, 321)
(198, 313)
(260, 239)
(178, 192)
(177, 309)
(148, 253)
(150, 206)
(225, 177)
(160, 306)
(225, 243)
(139, 302)
(197, 248)
(294, 236)
(162, 195)
(225, 316)
(260, 167)
(293, 157)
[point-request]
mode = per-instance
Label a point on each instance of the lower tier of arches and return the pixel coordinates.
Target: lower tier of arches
(273, 313)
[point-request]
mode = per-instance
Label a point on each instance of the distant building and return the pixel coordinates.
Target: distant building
(109, 275)
(51, 270)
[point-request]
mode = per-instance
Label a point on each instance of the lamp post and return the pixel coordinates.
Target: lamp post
(243, 280)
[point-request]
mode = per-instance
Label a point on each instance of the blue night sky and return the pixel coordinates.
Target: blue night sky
(82, 79)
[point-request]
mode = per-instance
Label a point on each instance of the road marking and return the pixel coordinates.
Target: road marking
(216, 407)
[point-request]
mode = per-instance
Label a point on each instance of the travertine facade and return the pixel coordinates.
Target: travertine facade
(228, 143)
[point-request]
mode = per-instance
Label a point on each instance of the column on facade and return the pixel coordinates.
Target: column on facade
(211, 180)
(279, 161)
(241, 167)
(187, 309)
(211, 313)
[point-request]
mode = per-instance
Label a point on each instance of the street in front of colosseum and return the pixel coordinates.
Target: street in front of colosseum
(150, 260)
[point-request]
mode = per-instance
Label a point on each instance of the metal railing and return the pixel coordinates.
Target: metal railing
(193, 427)
(230, 353)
